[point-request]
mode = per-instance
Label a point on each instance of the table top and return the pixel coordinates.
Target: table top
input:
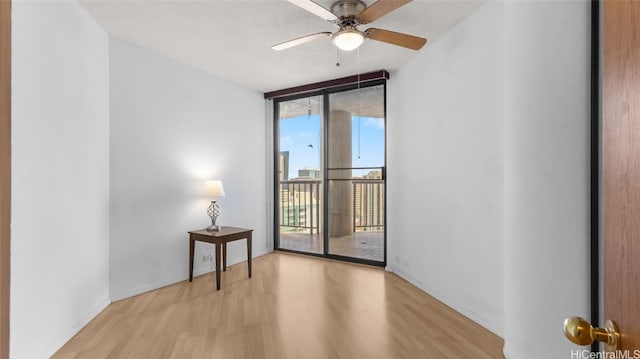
(224, 231)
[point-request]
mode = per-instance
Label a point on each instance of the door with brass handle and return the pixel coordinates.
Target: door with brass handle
(581, 332)
(619, 169)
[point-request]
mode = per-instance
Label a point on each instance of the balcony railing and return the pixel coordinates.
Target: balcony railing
(368, 205)
(300, 204)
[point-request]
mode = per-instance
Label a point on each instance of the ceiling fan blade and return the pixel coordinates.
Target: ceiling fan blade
(301, 40)
(315, 9)
(379, 9)
(396, 38)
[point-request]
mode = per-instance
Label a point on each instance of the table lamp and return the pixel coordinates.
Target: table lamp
(215, 190)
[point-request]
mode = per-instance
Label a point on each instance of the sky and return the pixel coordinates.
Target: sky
(301, 137)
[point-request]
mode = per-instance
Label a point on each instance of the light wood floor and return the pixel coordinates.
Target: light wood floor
(294, 307)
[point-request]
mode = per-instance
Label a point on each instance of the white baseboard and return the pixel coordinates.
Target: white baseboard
(197, 271)
(492, 327)
(145, 288)
(65, 337)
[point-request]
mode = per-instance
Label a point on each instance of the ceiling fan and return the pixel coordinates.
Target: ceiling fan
(347, 15)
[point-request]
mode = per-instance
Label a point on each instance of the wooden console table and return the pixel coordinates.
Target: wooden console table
(220, 240)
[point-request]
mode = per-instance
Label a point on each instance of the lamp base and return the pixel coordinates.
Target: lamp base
(213, 211)
(213, 228)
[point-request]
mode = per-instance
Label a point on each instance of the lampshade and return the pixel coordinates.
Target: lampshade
(348, 39)
(214, 188)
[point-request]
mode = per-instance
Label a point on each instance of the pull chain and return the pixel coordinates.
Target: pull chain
(358, 114)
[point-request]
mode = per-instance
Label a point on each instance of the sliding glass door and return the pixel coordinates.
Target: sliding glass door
(355, 173)
(330, 166)
(299, 167)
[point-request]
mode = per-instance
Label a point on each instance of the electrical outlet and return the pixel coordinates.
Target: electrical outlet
(207, 258)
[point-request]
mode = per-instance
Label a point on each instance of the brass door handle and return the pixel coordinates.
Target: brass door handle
(581, 332)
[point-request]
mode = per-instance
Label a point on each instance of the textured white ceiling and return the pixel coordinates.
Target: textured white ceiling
(232, 39)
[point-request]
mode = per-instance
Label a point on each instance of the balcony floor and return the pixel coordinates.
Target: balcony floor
(365, 245)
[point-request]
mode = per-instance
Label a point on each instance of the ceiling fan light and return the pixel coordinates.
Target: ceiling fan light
(348, 39)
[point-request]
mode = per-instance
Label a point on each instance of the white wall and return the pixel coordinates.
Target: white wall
(491, 121)
(546, 155)
(60, 175)
(445, 213)
(172, 128)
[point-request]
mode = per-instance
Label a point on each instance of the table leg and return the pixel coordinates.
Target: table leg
(224, 257)
(249, 253)
(191, 249)
(218, 250)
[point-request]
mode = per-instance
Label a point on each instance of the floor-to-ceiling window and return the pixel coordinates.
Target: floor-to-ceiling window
(300, 176)
(330, 173)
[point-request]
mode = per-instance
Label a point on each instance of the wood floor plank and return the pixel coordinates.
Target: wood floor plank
(294, 307)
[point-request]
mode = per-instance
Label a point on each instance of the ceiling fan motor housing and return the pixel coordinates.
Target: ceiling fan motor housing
(347, 15)
(348, 9)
